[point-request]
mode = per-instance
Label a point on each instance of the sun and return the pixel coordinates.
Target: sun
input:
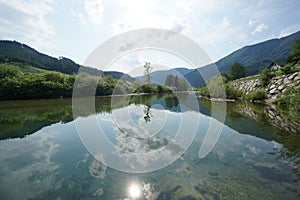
(134, 191)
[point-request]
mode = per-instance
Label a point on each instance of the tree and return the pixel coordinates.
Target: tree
(295, 52)
(7, 70)
(147, 72)
(176, 82)
(169, 80)
(183, 85)
(216, 87)
(265, 76)
(237, 70)
(225, 75)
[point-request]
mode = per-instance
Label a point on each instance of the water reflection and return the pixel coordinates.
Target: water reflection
(52, 163)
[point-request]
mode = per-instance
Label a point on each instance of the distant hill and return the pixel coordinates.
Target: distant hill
(254, 57)
(15, 52)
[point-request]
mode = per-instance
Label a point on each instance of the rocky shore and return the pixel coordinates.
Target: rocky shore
(275, 89)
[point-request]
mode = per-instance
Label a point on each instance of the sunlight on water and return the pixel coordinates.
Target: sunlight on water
(134, 191)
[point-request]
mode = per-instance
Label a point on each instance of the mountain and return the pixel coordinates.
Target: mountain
(159, 77)
(15, 52)
(254, 57)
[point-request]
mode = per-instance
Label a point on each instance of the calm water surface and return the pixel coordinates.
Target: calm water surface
(42, 157)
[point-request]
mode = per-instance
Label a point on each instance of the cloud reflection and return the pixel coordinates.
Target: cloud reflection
(29, 173)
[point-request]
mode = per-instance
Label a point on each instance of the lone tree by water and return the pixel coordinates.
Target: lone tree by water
(147, 72)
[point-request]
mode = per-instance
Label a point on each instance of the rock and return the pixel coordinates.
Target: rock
(286, 81)
(271, 113)
(272, 86)
(292, 76)
(274, 97)
(283, 91)
(273, 91)
(280, 87)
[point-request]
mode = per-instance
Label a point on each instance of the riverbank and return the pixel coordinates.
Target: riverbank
(277, 87)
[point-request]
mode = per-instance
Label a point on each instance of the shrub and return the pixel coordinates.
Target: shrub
(256, 95)
(232, 93)
(162, 89)
(290, 99)
(203, 91)
(287, 69)
(265, 76)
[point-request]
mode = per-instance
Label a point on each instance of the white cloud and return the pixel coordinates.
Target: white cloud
(31, 7)
(174, 23)
(251, 22)
(94, 9)
(225, 22)
(27, 22)
(260, 28)
(284, 33)
(78, 15)
(188, 7)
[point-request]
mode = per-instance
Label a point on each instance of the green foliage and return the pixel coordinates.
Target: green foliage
(225, 75)
(232, 93)
(169, 80)
(256, 95)
(214, 88)
(265, 76)
(17, 85)
(171, 101)
(162, 89)
(203, 91)
(147, 88)
(236, 71)
(9, 71)
(290, 99)
(179, 84)
(295, 52)
(54, 77)
(287, 69)
(217, 88)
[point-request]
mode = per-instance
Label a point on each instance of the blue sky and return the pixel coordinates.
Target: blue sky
(75, 28)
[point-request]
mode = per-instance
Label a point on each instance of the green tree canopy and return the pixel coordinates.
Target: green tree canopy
(295, 52)
(169, 80)
(180, 84)
(237, 70)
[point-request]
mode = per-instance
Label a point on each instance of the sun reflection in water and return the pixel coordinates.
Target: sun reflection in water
(134, 191)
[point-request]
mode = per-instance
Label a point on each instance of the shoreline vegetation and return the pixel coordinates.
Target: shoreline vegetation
(237, 74)
(15, 84)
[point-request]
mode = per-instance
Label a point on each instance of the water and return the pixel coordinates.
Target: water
(42, 156)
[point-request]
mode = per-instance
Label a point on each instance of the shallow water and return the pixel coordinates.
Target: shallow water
(43, 157)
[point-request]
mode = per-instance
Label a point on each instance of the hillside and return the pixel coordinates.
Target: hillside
(28, 58)
(254, 58)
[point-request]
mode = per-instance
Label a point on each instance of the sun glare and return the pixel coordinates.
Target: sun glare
(134, 191)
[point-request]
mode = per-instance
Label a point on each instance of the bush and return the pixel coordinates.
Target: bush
(290, 99)
(203, 91)
(232, 93)
(265, 76)
(162, 89)
(287, 69)
(256, 95)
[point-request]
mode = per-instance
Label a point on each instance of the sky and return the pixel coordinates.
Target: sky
(74, 29)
